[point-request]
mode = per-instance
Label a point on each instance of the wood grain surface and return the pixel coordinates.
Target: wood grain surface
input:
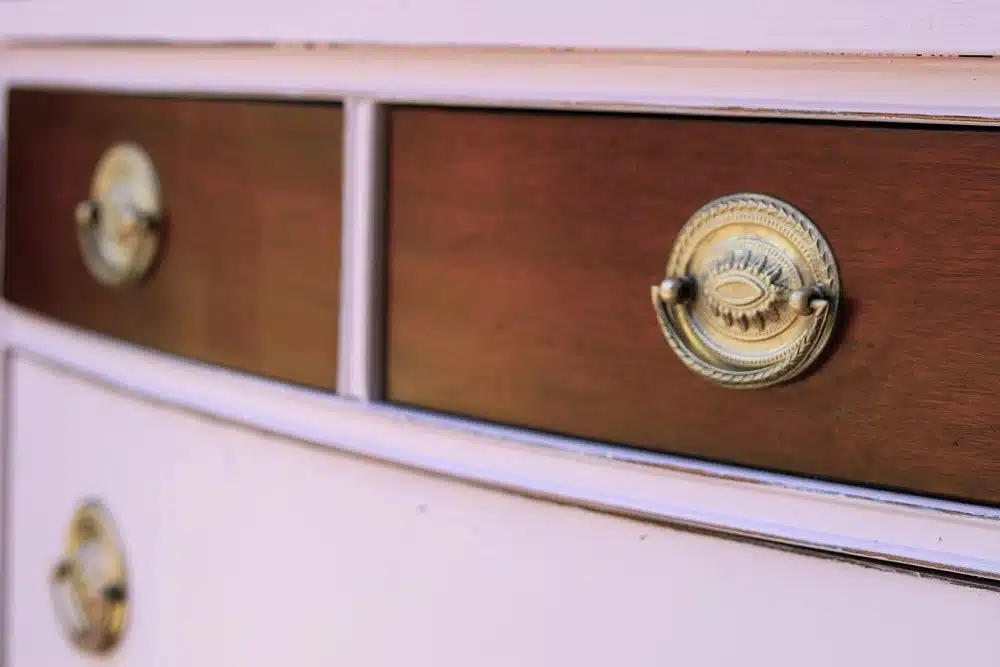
(522, 247)
(249, 275)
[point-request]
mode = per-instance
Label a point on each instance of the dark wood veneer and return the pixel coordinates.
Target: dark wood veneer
(522, 247)
(249, 276)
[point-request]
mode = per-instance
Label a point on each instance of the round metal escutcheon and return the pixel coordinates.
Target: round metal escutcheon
(118, 226)
(751, 292)
(89, 587)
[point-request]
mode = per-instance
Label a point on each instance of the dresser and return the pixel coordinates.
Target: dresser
(386, 335)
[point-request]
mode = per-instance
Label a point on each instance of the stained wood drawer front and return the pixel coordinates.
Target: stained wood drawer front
(247, 549)
(522, 247)
(248, 276)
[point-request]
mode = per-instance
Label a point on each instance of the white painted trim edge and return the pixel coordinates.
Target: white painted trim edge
(360, 346)
(888, 89)
(947, 536)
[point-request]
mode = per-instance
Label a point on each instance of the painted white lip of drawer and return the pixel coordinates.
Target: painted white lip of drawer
(248, 549)
(840, 519)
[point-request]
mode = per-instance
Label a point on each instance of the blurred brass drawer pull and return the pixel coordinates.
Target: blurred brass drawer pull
(209, 228)
(118, 226)
(89, 589)
(751, 294)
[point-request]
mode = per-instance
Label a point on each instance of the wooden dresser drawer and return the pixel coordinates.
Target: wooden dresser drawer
(522, 248)
(247, 273)
(243, 548)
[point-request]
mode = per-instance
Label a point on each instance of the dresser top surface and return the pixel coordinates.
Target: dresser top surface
(848, 26)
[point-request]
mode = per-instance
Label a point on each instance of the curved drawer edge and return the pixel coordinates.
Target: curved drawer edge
(837, 519)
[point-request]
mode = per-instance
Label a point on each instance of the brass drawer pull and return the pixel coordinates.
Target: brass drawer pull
(118, 226)
(751, 294)
(89, 590)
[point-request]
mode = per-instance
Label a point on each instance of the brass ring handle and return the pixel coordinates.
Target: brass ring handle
(803, 301)
(118, 226)
(88, 216)
(751, 292)
(88, 583)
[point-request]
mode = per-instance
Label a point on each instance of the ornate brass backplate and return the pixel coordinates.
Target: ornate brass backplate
(89, 589)
(751, 292)
(118, 226)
